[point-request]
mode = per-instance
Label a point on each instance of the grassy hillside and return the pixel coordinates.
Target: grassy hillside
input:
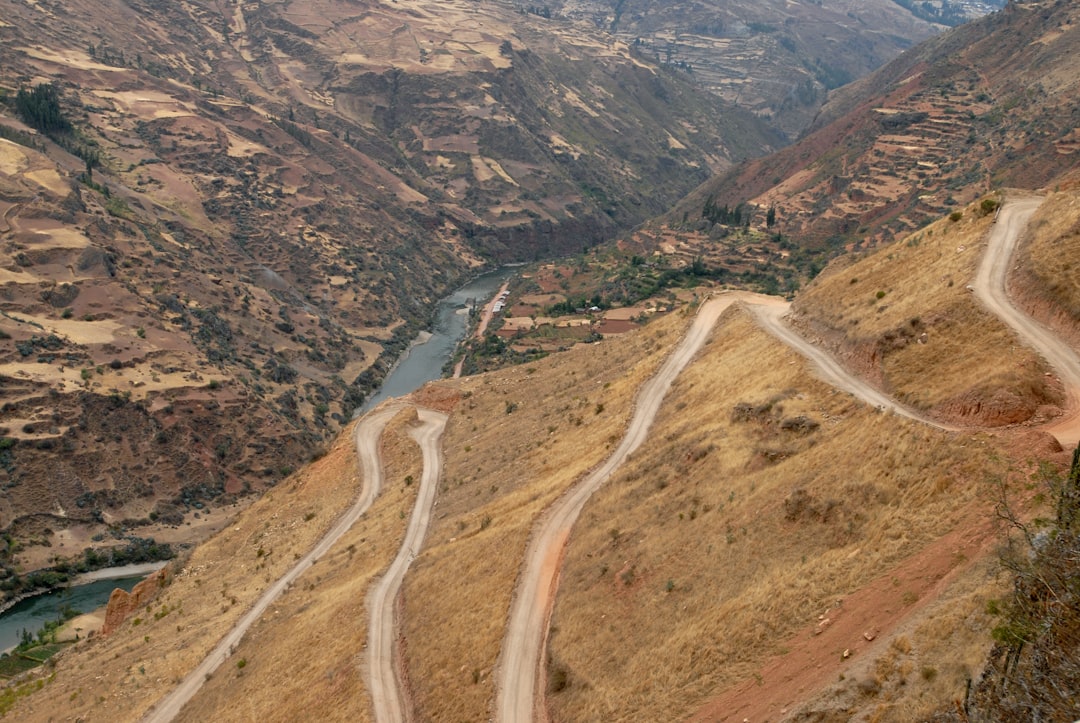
(1045, 280)
(768, 525)
(903, 316)
(517, 440)
(736, 530)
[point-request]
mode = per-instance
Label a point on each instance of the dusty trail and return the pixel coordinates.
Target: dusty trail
(384, 682)
(830, 370)
(530, 611)
(990, 289)
(368, 432)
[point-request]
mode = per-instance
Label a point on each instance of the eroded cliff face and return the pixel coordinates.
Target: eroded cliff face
(123, 604)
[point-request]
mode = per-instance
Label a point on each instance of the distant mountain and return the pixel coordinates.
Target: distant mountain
(221, 223)
(777, 58)
(990, 104)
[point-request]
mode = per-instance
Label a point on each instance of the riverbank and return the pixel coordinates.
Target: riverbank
(88, 591)
(426, 357)
(118, 573)
(485, 319)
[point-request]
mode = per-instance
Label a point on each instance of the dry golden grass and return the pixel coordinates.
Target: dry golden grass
(308, 648)
(925, 667)
(879, 308)
(1050, 271)
(695, 563)
(119, 677)
(502, 470)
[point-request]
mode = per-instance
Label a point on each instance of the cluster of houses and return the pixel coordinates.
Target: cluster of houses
(500, 302)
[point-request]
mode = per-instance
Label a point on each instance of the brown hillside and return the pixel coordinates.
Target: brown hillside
(764, 507)
(776, 58)
(277, 196)
(985, 105)
(903, 316)
(762, 502)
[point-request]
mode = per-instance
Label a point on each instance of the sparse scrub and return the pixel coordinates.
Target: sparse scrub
(1034, 668)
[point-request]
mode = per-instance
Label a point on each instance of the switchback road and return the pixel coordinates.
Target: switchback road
(384, 682)
(990, 289)
(368, 432)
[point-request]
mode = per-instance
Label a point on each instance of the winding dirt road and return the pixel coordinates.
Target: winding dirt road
(384, 681)
(368, 432)
(526, 637)
(990, 289)
(519, 673)
(530, 611)
(519, 669)
(771, 319)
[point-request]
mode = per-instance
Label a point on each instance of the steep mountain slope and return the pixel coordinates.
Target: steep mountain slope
(903, 315)
(986, 105)
(255, 207)
(776, 58)
(767, 517)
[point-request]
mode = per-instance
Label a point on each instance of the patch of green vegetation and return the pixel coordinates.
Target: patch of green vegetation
(39, 107)
(1033, 670)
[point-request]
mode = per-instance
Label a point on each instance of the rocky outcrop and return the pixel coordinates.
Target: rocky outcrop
(991, 408)
(122, 604)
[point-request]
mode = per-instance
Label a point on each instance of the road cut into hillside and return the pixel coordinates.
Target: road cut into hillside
(368, 432)
(384, 681)
(518, 675)
(990, 288)
(808, 665)
(520, 669)
(771, 319)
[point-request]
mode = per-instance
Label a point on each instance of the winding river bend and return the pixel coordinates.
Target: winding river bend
(425, 359)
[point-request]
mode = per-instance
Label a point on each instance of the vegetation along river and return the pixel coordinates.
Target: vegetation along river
(33, 612)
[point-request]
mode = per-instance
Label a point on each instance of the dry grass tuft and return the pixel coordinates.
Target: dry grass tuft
(727, 533)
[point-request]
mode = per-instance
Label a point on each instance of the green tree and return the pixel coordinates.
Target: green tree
(40, 107)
